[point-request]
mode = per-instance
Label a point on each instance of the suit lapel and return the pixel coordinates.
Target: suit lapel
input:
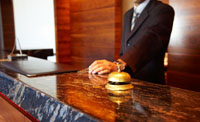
(144, 15)
(128, 25)
(139, 22)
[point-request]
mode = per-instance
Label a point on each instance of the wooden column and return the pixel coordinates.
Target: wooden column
(7, 21)
(1, 32)
(63, 37)
(118, 27)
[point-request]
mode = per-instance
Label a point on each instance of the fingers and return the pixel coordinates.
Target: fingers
(100, 67)
(96, 63)
(100, 70)
(104, 72)
(97, 70)
(93, 66)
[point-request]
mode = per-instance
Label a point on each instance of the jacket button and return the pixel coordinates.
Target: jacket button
(128, 45)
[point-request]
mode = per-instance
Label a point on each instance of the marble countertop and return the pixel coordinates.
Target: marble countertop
(86, 94)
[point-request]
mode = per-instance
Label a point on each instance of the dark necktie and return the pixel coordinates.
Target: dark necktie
(134, 18)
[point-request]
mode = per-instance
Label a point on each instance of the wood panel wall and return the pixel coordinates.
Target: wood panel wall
(184, 48)
(90, 30)
(95, 27)
(7, 19)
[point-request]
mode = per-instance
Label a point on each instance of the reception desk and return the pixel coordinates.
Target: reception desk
(82, 97)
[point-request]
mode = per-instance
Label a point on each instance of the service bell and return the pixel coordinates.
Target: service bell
(119, 80)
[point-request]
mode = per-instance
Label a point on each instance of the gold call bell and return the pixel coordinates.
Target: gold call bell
(119, 80)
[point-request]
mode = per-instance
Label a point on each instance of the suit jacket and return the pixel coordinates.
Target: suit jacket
(144, 47)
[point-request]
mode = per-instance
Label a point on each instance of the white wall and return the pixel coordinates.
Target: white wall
(34, 23)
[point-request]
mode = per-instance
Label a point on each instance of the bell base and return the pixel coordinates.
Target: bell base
(119, 87)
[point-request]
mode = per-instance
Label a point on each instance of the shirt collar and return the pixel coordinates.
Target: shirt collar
(141, 7)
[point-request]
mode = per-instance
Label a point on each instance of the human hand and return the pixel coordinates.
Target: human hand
(102, 67)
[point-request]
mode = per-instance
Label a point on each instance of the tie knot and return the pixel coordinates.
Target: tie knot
(135, 12)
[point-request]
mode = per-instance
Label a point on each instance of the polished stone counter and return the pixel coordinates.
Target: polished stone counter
(83, 97)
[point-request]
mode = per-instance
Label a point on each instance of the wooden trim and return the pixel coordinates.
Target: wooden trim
(1, 31)
(118, 27)
(19, 108)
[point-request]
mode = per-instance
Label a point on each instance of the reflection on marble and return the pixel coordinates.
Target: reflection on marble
(87, 94)
(147, 101)
(40, 105)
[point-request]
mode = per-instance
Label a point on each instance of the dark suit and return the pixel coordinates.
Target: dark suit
(144, 47)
